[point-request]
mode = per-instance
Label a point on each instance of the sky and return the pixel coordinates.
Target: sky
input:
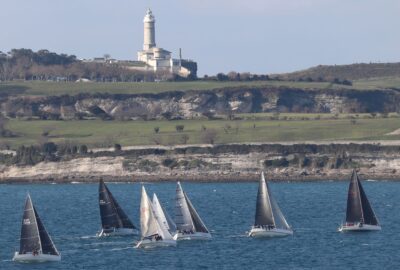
(258, 36)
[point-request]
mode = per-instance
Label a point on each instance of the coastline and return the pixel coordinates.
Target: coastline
(216, 163)
(242, 178)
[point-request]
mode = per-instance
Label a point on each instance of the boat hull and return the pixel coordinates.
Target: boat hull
(146, 243)
(262, 232)
(30, 258)
(193, 236)
(358, 228)
(118, 232)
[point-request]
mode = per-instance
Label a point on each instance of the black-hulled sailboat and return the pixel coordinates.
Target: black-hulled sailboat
(114, 221)
(269, 220)
(359, 215)
(35, 243)
(189, 225)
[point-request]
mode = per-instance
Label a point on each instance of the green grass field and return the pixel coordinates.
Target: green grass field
(97, 133)
(72, 88)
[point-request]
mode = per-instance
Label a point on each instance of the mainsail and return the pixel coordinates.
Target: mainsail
(183, 218)
(30, 237)
(264, 213)
(148, 222)
(197, 222)
(112, 215)
(358, 207)
(34, 237)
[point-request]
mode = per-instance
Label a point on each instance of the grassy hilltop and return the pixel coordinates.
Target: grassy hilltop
(38, 88)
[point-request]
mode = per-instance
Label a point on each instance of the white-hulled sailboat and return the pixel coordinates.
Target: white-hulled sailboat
(162, 216)
(114, 221)
(153, 234)
(189, 225)
(35, 243)
(269, 220)
(359, 215)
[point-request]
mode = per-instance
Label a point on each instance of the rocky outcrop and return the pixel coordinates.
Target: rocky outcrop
(192, 104)
(219, 163)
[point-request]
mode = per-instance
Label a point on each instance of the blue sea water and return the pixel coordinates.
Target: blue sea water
(314, 209)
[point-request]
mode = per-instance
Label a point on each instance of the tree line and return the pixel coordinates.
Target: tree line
(43, 65)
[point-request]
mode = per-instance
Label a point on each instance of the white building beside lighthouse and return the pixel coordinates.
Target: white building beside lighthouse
(157, 58)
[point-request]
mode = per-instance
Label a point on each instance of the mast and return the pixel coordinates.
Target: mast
(264, 213)
(354, 212)
(183, 218)
(30, 237)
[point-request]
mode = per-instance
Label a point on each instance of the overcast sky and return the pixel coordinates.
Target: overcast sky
(259, 36)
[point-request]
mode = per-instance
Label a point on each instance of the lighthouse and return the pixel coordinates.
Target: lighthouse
(149, 40)
(158, 59)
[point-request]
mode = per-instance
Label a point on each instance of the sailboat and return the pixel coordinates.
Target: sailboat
(153, 233)
(35, 243)
(269, 220)
(162, 216)
(359, 215)
(114, 221)
(189, 225)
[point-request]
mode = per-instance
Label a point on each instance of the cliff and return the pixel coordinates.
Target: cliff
(234, 162)
(192, 104)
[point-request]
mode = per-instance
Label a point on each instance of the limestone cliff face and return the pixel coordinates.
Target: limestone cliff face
(218, 163)
(189, 104)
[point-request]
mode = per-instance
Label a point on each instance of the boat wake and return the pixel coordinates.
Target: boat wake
(124, 248)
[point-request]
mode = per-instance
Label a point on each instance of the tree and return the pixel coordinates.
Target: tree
(184, 138)
(209, 136)
(49, 148)
(179, 128)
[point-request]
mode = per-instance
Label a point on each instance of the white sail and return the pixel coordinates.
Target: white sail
(161, 218)
(148, 223)
(280, 220)
(183, 219)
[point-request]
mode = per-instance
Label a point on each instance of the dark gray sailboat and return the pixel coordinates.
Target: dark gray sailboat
(189, 225)
(359, 214)
(35, 243)
(269, 220)
(114, 221)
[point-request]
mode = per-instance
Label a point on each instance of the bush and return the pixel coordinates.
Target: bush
(83, 149)
(281, 162)
(170, 163)
(179, 128)
(117, 147)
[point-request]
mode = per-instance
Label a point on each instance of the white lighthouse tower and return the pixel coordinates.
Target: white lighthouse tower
(149, 40)
(156, 58)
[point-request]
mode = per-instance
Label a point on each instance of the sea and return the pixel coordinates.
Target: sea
(70, 213)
